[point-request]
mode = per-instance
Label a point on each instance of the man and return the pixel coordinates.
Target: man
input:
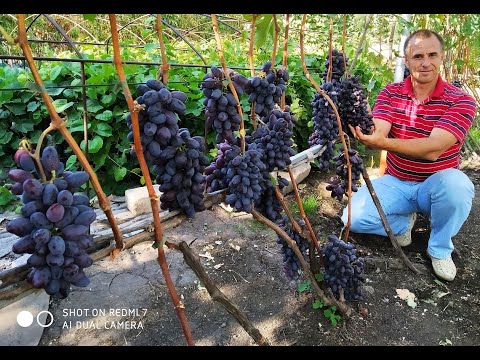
(421, 122)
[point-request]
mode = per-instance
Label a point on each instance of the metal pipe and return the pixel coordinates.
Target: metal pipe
(400, 64)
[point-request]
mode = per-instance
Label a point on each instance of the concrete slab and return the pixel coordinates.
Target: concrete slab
(31, 311)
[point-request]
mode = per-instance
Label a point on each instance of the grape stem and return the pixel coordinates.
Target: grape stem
(302, 211)
(342, 307)
(165, 66)
(275, 39)
(339, 122)
(300, 230)
(154, 200)
(330, 69)
(36, 155)
(285, 53)
(347, 75)
(252, 69)
(230, 84)
(59, 124)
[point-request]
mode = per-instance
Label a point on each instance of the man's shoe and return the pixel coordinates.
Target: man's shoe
(406, 239)
(445, 269)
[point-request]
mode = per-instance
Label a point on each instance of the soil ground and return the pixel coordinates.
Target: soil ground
(243, 258)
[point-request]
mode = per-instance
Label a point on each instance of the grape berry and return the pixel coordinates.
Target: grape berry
(54, 222)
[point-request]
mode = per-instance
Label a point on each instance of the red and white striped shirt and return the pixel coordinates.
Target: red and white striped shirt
(448, 108)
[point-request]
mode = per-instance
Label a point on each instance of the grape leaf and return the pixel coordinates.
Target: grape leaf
(5, 196)
(89, 17)
(119, 173)
(317, 304)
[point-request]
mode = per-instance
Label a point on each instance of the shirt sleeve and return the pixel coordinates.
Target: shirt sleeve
(383, 108)
(459, 118)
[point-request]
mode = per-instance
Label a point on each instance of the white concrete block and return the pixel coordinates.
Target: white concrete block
(138, 200)
(33, 319)
(300, 172)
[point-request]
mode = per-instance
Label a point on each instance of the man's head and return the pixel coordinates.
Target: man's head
(424, 53)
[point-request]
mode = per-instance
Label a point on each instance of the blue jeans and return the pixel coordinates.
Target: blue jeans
(446, 197)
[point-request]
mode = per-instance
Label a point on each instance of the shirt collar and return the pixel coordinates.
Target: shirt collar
(437, 92)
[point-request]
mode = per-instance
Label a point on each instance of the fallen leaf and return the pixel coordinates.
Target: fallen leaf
(405, 294)
(236, 247)
(218, 266)
(411, 303)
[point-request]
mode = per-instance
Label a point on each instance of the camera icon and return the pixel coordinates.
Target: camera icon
(25, 318)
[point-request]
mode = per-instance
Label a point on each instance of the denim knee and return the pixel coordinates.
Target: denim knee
(453, 186)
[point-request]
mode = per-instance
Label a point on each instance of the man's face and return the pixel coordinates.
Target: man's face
(423, 58)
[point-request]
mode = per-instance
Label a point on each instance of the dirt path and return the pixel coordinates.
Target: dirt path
(243, 258)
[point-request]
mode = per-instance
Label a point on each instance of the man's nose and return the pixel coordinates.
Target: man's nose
(426, 62)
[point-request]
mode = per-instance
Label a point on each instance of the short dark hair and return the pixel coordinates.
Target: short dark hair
(423, 33)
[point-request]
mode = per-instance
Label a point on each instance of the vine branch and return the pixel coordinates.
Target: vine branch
(58, 123)
(154, 200)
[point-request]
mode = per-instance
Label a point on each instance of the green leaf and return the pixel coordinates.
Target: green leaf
(319, 277)
(151, 46)
(94, 144)
(328, 313)
(89, 17)
(24, 126)
(70, 161)
(4, 113)
(61, 105)
(317, 304)
(119, 173)
(16, 109)
(107, 115)
(55, 72)
(55, 91)
(5, 139)
(5, 196)
(273, 180)
(92, 106)
(142, 180)
(371, 85)
(103, 129)
(33, 86)
(32, 106)
(108, 99)
(304, 286)
(263, 28)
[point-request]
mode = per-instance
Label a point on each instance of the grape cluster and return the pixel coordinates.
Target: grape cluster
(180, 171)
(325, 125)
(178, 159)
(291, 263)
(266, 90)
(457, 83)
(343, 269)
(352, 106)
(220, 105)
(275, 139)
(268, 204)
(215, 175)
(339, 186)
(54, 223)
(243, 177)
(158, 120)
(338, 66)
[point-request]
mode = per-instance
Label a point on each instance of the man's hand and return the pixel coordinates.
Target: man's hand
(374, 141)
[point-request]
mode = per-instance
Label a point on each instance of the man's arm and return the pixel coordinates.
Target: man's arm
(429, 148)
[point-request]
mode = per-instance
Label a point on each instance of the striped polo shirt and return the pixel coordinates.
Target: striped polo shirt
(447, 108)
